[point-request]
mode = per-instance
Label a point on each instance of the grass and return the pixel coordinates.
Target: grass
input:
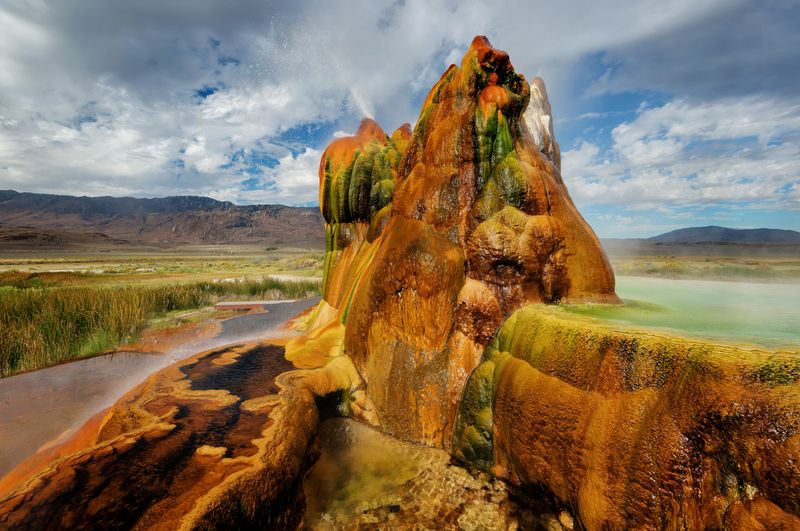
(181, 265)
(46, 320)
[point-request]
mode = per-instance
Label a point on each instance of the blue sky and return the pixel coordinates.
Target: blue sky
(669, 114)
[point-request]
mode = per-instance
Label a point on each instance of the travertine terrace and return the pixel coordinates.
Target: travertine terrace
(443, 247)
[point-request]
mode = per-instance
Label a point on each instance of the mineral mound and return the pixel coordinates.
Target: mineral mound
(443, 247)
(435, 237)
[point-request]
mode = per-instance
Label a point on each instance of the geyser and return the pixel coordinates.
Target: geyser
(443, 246)
(433, 240)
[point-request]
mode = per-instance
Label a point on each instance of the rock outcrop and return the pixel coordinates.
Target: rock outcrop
(445, 283)
(636, 430)
(434, 239)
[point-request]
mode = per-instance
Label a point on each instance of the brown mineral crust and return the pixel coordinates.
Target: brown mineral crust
(472, 184)
(181, 451)
(436, 179)
(402, 349)
(402, 133)
(635, 457)
(634, 429)
(478, 314)
(588, 276)
(760, 515)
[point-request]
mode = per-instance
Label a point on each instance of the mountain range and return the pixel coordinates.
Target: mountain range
(30, 220)
(44, 220)
(715, 234)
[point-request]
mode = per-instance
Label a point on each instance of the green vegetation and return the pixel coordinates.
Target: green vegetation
(135, 266)
(42, 326)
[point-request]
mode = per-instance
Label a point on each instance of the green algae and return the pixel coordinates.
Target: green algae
(777, 371)
(510, 180)
(500, 177)
(489, 201)
(503, 144)
(360, 191)
(575, 351)
(485, 132)
(327, 183)
(473, 433)
(341, 188)
(360, 185)
(418, 138)
(361, 188)
(380, 195)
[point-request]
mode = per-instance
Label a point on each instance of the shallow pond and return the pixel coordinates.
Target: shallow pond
(48, 405)
(762, 314)
(367, 480)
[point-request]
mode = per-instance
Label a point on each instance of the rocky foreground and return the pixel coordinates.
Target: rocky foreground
(442, 245)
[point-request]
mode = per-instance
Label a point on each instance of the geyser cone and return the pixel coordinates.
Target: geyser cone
(472, 222)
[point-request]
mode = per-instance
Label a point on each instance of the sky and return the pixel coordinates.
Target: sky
(669, 113)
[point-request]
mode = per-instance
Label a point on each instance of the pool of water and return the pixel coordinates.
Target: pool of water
(40, 407)
(367, 480)
(762, 314)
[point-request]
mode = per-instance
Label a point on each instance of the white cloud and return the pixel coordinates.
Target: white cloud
(22, 41)
(98, 96)
(294, 180)
(742, 150)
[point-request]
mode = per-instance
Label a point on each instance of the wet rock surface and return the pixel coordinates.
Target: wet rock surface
(635, 429)
(160, 451)
(478, 222)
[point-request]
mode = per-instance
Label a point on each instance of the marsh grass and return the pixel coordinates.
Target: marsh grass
(43, 326)
(27, 279)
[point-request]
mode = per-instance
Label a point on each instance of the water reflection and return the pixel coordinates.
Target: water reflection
(46, 406)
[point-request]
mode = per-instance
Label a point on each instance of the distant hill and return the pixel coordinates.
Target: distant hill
(44, 220)
(714, 234)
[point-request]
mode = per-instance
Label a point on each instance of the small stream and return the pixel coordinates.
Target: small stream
(47, 405)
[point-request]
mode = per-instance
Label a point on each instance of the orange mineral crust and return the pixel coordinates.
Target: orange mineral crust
(468, 219)
(636, 430)
(446, 246)
(220, 440)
